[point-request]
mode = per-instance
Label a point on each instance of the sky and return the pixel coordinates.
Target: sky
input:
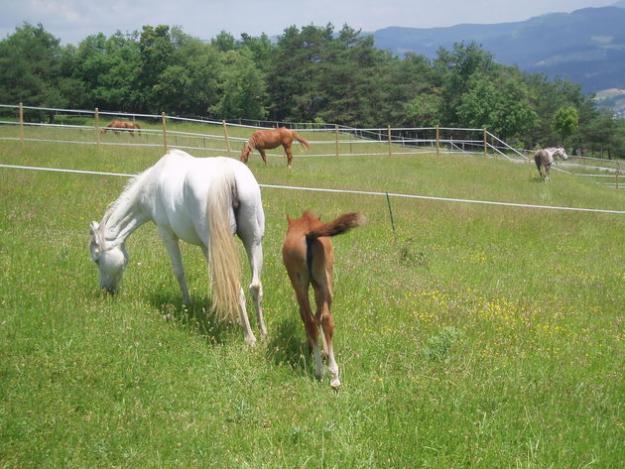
(73, 20)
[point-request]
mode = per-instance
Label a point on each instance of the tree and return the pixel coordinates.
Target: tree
(348, 83)
(242, 89)
(224, 42)
(455, 69)
(423, 110)
(566, 122)
(156, 51)
(295, 76)
(499, 104)
(31, 69)
(109, 69)
(410, 95)
(189, 84)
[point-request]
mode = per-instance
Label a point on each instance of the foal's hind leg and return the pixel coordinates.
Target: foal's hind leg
(263, 155)
(312, 328)
(324, 316)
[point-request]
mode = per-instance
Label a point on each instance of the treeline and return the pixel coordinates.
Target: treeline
(312, 74)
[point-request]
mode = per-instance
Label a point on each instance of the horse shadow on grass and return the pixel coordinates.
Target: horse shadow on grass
(196, 316)
(285, 346)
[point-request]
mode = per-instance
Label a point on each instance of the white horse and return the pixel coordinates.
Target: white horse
(545, 157)
(202, 201)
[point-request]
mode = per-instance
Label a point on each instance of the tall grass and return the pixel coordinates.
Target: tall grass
(472, 336)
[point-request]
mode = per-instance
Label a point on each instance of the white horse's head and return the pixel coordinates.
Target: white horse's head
(561, 153)
(111, 258)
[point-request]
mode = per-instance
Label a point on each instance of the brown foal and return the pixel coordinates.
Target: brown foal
(308, 257)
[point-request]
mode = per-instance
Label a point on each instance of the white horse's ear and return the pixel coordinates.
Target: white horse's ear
(94, 227)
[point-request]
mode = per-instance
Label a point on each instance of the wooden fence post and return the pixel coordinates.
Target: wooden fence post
(390, 151)
(485, 143)
(21, 117)
(336, 132)
(226, 137)
(164, 120)
(438, 140)
(97, 126)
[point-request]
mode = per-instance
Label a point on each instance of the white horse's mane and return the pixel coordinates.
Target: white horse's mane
(126, 197)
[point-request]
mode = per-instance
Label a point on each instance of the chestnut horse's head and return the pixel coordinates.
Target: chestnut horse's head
(245, 152)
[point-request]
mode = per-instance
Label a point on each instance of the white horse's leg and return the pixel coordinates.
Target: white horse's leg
(171, 243)
(250, 233)
(255, 254)
(250, 339)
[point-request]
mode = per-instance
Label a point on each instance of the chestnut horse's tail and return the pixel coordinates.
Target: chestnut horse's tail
(341, 225)
(300, 139)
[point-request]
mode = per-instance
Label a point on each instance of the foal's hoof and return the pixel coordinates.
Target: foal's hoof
(335, 384)
(251, 341)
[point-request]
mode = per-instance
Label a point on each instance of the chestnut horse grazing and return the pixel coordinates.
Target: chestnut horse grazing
(308, 256)
(262, 140)
(117, 126)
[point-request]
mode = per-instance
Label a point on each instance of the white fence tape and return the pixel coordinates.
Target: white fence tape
(348, 191)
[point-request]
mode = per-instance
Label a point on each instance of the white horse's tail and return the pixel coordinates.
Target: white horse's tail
(223, 258)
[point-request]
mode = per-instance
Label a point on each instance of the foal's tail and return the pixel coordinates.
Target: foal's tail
(341, 225)
(301, 139)
(223, 258)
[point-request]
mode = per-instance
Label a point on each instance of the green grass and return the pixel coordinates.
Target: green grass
(473, 336)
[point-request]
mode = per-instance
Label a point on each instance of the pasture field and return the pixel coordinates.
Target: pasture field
(474, 335)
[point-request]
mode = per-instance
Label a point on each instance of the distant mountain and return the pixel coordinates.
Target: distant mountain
(614, 99)
(586, 46)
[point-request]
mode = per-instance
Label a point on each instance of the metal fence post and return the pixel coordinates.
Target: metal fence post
(390, 211)
(336, 132)
(390, 151)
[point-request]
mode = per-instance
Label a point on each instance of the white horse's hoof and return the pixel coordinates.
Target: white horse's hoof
(335, 384)
(251, 341)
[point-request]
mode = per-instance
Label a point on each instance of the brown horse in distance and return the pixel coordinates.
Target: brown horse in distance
(262, 140)
(117, 126)
(308, 256)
